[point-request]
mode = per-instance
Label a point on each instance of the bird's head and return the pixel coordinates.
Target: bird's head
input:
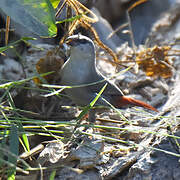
(80, 46)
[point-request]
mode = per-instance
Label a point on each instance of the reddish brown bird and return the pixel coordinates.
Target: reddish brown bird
(80, 70)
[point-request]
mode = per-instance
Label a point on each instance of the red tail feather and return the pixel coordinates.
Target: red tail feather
(127, 100)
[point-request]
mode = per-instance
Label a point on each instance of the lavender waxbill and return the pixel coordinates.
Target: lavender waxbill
(80, 69)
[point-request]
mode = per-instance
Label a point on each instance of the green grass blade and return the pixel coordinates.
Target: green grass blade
(14, 149)
(86, 109)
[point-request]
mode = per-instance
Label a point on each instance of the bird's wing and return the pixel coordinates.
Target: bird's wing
(111, 88)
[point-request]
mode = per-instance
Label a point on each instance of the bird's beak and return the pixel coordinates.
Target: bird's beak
(66, 49)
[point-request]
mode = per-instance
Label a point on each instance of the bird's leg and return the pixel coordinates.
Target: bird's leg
(92, 115)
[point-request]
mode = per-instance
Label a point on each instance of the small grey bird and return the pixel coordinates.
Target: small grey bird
(80, 70)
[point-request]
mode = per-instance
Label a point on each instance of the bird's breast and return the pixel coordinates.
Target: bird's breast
(75, 73)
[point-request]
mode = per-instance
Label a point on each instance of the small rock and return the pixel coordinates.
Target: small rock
(88, 153)
(12, 70)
